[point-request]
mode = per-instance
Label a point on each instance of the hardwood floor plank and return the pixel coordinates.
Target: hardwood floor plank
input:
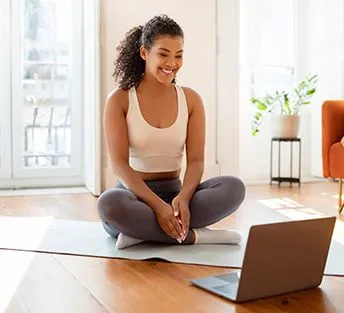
(79, 206)
(136, 286)
(127, 286)
(45, 286)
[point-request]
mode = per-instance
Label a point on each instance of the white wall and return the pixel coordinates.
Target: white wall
(228, 141)
(326, 57)
(199, 71)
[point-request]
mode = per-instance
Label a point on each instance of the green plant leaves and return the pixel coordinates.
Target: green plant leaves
(288, 103)
(310, 92)
(259, 104)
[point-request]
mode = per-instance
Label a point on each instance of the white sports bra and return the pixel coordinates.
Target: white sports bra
(153, 149)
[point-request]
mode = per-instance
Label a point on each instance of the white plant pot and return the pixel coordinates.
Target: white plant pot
(285, 126)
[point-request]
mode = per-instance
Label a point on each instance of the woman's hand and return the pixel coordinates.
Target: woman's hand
(169, 222)
(181, 210)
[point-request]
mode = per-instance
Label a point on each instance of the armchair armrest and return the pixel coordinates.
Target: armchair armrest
(332, 129)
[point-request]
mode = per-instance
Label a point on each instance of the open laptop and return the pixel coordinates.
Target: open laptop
(279, 258)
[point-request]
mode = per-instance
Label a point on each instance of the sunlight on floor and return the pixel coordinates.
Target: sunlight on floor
(29, 231)
(309, 213)
(13, 264)
(337, 197)
(297, 211)
(279, 203)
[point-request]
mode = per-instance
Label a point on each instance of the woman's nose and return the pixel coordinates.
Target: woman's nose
(170, 62)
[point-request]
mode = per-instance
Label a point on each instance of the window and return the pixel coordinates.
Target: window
(42, 120)
(272, 45)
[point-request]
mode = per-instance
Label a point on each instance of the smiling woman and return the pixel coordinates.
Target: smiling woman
(166, 56)
(149, 121)
(162, 40)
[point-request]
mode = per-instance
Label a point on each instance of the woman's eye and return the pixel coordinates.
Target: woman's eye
(179, 56)
(163, 55)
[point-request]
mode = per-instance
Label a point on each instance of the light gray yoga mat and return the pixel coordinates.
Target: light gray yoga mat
(89, 239)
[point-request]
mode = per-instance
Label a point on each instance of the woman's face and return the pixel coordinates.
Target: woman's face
(165, 58)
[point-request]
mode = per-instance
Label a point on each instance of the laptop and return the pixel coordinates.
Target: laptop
(279, 258)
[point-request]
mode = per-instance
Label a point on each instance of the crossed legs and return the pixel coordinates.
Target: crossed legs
(122, 212)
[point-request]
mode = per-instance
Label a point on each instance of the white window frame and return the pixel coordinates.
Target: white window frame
(87, 148)
(19, 171)
(5, 92)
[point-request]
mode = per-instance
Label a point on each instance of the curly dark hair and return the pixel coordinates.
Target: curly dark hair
(129, 66)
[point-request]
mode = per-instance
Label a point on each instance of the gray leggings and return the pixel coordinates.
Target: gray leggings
(122, 212)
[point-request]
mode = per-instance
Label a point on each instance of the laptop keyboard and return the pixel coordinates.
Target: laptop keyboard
(226, 289)
(229, 278)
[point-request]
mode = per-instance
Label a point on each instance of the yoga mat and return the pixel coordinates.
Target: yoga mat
(46, 234)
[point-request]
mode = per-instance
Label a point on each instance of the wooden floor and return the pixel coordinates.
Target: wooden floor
(48, 283)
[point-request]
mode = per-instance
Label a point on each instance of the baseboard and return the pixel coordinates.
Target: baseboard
(267, 181)
(43, 191)
(38, 183)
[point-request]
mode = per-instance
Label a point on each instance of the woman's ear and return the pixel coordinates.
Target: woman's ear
(143, 53)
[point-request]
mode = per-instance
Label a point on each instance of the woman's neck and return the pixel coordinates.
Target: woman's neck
(153, 86)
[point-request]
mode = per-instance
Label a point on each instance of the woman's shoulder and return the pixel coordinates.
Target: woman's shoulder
(118, 97)
(192, 97)
(188, 91)
(117, 94)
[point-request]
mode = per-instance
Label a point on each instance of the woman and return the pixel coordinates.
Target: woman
(148, 121)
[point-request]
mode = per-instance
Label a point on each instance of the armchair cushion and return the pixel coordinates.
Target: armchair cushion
(332, 136)
(336, 159)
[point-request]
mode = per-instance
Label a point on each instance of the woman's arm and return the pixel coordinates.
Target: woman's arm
(195, 143)
(116, 134)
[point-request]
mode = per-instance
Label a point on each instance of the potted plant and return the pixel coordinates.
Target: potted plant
(285, 124)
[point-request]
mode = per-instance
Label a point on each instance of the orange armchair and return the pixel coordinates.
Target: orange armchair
(332, 148)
